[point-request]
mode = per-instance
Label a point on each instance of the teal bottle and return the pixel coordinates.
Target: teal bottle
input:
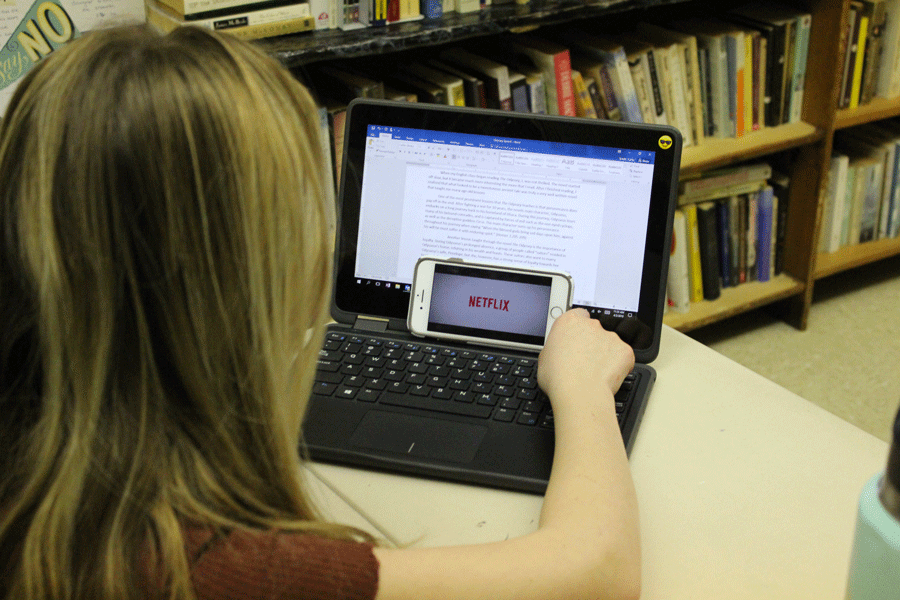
(875, 561)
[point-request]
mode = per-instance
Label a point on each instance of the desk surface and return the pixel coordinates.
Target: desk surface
(746, 490)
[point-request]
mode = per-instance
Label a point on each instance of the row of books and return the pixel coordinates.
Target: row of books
(871, 60)
(247, 19)
(708, 78)
(861, 200)
(728, 231)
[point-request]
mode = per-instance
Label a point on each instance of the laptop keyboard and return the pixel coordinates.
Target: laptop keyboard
(474, 383)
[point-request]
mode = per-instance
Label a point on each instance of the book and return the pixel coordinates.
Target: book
(323, 13)
(431, 9)
(516, 61)
(494, 75)
(872, 58)
(669, 53)
(688, 70)
(555, 63)
(584, 105)
(473, 87)
(888, 84)
(248, 25)
(596, 70)
(467, 6)
(594, 92)
(695, 269)
(454, 92)
(833, 203)
(204, 9)
(717, 182)
(765, 214)
(678, 278)
(802, 28)
(707, 231)
(777, 24)
(637, 54)
(860, 34)
(343, 84)
(851, 33)
(612, 55)
(518, 91)
(780, 183)
(712, 40)
(723, 222)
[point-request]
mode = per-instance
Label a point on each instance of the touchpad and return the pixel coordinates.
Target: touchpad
(419, 436)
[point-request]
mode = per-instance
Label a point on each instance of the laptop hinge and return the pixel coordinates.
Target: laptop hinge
(371, 324)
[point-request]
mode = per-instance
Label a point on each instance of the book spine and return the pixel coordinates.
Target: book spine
(872, 61)
(839, 165)
(752, 233)
(731, 79)
(608, 95)
(431, 9)
(765, 215)
(740, 84)
(203, 9)
(856, 85)
(693, 240)
(594, 94)
(617, 66)
(723, 222)
(679, 276)
(709, 250)
(562, 66)
(894, 211)
(680, 94)
(584, 106)
(753, 172)
(852, 33)
(654, 77)
(889, 74)
(639, 75)
(801, 55)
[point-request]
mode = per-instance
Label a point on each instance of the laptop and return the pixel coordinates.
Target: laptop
(591, 198)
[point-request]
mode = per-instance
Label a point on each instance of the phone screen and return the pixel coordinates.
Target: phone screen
(490, 304)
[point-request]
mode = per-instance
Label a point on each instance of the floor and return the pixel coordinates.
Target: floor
(848, 359)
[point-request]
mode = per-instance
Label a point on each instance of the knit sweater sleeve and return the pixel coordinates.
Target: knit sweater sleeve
(272, 565)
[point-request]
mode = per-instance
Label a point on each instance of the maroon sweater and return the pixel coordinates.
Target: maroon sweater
(248, 565)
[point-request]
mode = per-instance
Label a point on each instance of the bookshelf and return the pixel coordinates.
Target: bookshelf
(802, 150)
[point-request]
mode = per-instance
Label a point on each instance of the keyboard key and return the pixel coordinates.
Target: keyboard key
(346, 392)
(324, 389)
(504, 414)
(368, 395)
(528, 418)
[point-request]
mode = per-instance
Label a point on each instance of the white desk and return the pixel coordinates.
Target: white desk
(746, 490)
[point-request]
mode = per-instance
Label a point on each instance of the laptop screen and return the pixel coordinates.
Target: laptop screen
(507, 189)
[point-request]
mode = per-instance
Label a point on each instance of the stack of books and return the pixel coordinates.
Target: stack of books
(861, 200)
(246, 19)
(871, 60)
(728, 231)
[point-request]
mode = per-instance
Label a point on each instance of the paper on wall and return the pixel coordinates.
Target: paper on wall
(31, 29)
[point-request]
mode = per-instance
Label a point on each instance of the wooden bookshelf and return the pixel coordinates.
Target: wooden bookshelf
(876, 110)
(855, 256)
(715, 153)
(801, 150)
(734, 301)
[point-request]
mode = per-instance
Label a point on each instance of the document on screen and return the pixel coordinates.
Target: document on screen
(503, 218)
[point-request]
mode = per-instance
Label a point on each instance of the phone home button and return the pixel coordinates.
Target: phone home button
(555, 312)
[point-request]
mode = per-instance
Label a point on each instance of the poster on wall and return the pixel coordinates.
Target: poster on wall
(32, 29)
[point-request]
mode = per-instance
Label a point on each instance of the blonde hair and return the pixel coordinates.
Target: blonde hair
(164, 280)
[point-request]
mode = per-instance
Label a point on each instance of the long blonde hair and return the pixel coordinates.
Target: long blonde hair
(164, 279)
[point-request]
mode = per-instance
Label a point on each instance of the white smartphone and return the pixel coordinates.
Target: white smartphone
(486, 304)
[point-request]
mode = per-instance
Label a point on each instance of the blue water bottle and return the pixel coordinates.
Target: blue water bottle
(875, 562)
